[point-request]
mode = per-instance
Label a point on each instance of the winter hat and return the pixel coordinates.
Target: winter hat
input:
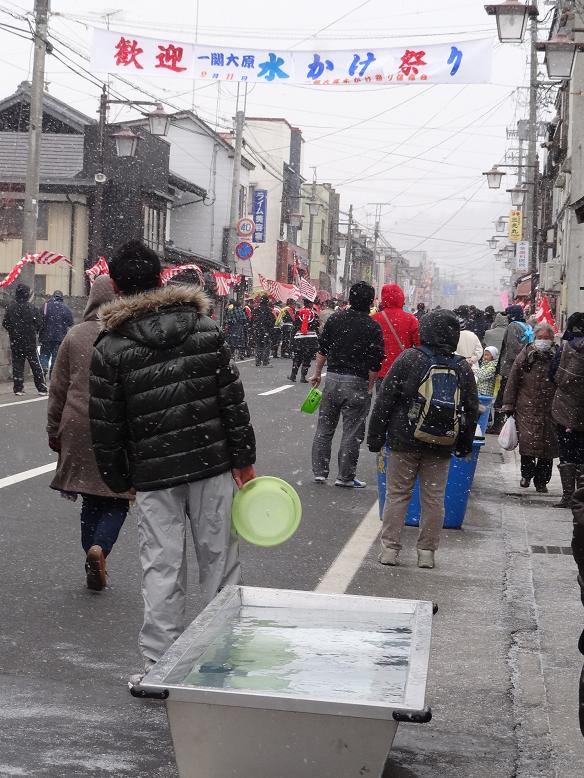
(440, 330)
(515, 313)
(58, 295)
(135, 268)
(493, 351)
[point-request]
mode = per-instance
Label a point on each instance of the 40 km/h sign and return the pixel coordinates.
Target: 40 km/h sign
(245, 227)
(244, 250)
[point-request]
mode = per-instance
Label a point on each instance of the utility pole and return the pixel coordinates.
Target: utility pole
(311, 214)
(531, 226)
(98, 247)
(235, 186)
(377, 281)
(348, 252)
(35, 131)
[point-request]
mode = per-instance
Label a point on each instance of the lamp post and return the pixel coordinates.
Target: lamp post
(494, 177)
(512, 17)
(126, 145)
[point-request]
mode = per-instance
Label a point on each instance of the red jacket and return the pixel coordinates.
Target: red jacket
(404, 323)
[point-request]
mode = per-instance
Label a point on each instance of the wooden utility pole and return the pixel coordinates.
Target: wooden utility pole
(35, 131)
(235, 186)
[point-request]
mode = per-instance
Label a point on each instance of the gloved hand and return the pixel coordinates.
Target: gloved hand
(55, 445)
(462, 451)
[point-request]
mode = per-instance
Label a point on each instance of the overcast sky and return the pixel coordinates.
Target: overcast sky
(424, 158)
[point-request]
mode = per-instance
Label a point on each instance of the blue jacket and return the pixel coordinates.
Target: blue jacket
(57, 318)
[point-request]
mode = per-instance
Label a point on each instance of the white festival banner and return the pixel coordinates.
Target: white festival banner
(455, 62)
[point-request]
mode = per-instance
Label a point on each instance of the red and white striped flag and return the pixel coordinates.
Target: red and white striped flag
(42, 258)
(307, 290)
(279, 290)
(225, 281)
(99, 269)
(171, 272)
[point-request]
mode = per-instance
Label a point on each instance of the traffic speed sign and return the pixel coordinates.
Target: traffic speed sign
(245, 227)
(244, 250)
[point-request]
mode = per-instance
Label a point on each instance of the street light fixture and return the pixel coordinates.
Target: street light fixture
(517, 196)
(512, 19)
(500, 224)
(159, 121)
(356, 233)
(126, 142)
(313, 208)
(494, 177)
(560, 53)
(492, 242)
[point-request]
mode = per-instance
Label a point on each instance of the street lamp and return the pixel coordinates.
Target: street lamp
(313, 208)
(126, 142)
(512, 19)
(356, 233)
(500, 224)
(517, 196)
(494, 177)
(492, 243)
(159, 121)
(560, 53)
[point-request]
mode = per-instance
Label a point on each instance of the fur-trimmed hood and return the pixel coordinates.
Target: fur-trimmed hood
(160, 318)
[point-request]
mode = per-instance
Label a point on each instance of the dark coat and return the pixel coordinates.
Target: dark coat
(439, 331)
(263, 320)
(529, 394)
(68, 408)
(166, 403)
(22, 321)
(568, 405)
(57, 319)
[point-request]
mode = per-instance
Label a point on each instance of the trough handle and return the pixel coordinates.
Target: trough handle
(413, 716)
(144, 694)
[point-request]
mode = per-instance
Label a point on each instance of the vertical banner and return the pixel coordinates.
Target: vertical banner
(522, 256)
(260, 202)
(516, 226)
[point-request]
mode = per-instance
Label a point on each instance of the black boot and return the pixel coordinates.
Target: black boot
(303, 374)
(292, 376)
(568, 478)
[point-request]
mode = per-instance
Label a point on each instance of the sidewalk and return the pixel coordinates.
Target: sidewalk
(505, 667)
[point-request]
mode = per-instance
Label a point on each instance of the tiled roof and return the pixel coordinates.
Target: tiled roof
(61, 156)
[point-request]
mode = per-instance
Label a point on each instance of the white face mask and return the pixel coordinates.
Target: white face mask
(542, 345)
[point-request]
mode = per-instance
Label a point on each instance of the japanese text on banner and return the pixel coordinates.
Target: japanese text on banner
(461, 62)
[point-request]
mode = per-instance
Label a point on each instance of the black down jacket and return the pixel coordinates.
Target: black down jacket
(166, 403)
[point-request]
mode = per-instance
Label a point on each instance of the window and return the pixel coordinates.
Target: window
(12, 219)
(154, 233)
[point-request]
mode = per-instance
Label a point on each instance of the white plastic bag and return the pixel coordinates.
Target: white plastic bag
(508, 439)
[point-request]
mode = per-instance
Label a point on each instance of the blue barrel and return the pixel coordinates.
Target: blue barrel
(458, 486)
(486, 402)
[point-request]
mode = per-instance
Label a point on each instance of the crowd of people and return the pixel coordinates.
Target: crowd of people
(146, 406)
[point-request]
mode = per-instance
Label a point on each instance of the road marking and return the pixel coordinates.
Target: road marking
(275, 391)
(241, 361)
(338, 577)
(23, 402)
(26, 474)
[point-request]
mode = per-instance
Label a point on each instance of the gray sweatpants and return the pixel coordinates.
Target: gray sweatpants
(348, 396)
(162, 522)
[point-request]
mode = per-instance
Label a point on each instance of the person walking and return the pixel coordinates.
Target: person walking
(262, 322)
(578, 552)
(420, 311)
(529, 395)
(103, 511)
(57, 319)
(169, 419)
(327, 312)
(23, 321)
(236, 327)
(400, 328)
(568, 408)
(496, 334)
(304, 341)
(352, 344)
(422, 431)
(287, 318)
(470, 347)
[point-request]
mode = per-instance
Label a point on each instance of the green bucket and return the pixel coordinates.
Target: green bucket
(311, 401)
